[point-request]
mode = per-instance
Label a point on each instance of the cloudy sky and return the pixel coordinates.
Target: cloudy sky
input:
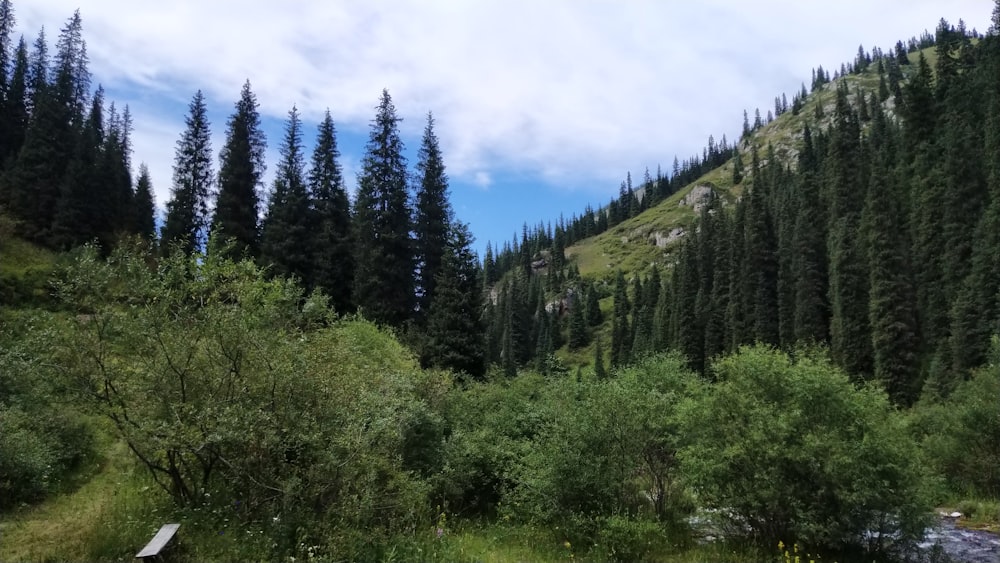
(541, 106)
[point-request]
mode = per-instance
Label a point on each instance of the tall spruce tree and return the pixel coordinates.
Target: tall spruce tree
(433, 216)
(850, 332)
(891, 309)
(333, 252)
(287, 237)
(241, 169)
(621, 338)
(83, 194)
(15, 107)
(187, 210)
(812, 310)
(384, 278)
(455, 333)
(145, 205)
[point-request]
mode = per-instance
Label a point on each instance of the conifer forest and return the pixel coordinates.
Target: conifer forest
(784, 348)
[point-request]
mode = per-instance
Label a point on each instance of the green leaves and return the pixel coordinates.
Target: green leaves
(791, 450)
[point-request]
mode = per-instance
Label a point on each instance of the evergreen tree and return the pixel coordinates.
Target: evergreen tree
(187, 210)
(433, 215)
(892, 299)
(578, 334)
(15, 109)
(241, 169)
(287, 237)
(812, 316)
(455, 334)
(333, 252)
(145, 205)
(621, 342)
(600, 371)
(117, 208)
(593, 311)
(737, 168)
(850, 332)
(82, 197)
(383, 282)
(7, 22)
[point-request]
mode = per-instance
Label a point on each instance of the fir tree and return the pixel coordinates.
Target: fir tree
(333, 252)
(286, 238)
(455, 335)
(383, 282)
(812, 317)
(600, 372)
(593, 312)
(892, 314)
(241, 169)
(621, 342)
(15, 109)
(187, 210)
(145, 205)
(578, 334)
(433, 215)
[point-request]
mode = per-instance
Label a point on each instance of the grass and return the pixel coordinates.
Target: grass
(980, 514)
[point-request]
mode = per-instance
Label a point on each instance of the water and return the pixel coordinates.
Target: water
(962, 545)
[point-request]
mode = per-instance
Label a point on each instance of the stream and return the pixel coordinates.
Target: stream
(963, 545)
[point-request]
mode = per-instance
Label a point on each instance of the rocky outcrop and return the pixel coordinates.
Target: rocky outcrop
(697, 198)
(661, 240)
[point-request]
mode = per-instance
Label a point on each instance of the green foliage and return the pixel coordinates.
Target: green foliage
(187, 209)
(383, 251)
(241, 169)
(43, 438)
(961, 434)
(791, 450)
(227, 389)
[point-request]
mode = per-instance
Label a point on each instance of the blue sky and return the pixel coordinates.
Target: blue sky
(541, 106)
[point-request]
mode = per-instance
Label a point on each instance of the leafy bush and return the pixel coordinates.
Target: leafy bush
(628, 539)
(961, 435)
(236, 390)
(42, 439)
(792, 450)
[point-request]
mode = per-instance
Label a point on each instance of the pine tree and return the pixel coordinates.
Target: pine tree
(812, 316)
(286, 235)
(737, 168)
(187, 210)
(117, 209)
(593, 311)
(82, 196)
(15, 107)
(455, 334)
(145, 205)
(241, 169)
(333, 249)
(7, 23)
(621, 342)
(600, 371)
(578, 334)
(892, 311)
(850, 332)
(383, 282)
(433, 215)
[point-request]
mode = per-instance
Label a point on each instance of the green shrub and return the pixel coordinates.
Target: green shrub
(627, 539)
(792, 450)
(961, 435)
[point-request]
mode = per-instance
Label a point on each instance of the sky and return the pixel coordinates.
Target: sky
(541, 107)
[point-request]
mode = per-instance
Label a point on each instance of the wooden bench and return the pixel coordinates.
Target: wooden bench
(153, 549)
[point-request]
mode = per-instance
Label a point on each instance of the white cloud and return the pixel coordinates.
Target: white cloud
(572, 91)
(482, 179)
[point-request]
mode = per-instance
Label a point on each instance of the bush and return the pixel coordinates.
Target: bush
(791, 450)
(961, 435)
(627, 539)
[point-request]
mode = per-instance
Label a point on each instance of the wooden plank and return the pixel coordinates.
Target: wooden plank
(159, 541)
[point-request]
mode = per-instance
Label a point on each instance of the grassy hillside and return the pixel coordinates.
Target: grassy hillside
(24, 268)
(630, 246)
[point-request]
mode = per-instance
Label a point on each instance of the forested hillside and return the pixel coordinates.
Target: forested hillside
(783, 348)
